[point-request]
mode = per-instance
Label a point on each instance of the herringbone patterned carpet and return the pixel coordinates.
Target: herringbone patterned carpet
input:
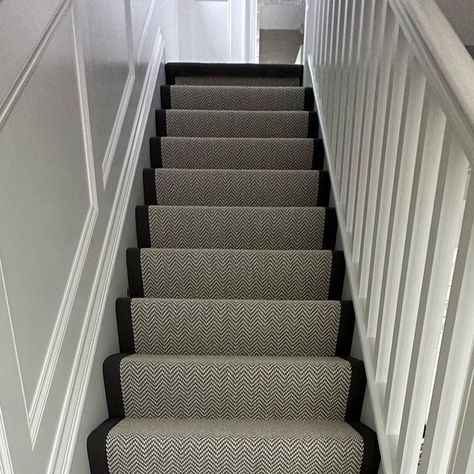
(234, 338)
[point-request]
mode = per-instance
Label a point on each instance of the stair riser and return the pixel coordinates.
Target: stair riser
(239, 388)
(236, 188)
(234, 74)
(236, 228)
(244, 456)
(253, 328)
(242, 124)
(227, 274)
(236, 98)
(236, 153)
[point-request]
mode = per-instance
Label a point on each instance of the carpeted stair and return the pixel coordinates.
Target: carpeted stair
(234, 340)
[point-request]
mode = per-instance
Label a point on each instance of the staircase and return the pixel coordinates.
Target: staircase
(235, 342)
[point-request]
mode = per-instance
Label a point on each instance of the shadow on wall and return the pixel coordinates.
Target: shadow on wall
(281, 25)
(280, 46)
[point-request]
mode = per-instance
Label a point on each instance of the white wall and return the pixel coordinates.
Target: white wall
(76, 84)
(281, 16)
(214, 30)
(460, 14)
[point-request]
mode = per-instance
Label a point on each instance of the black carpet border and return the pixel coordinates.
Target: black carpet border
(237, 70)
(142, 221)
(356, 389)
(160, 122)
(308, 99)
(97, 446)
(330, 228)
(113, 387)
(346, 329)
(338, 270)
(156, 159)
(149, 186)
(371, 456)
(135, 281)
(319, 154)
(165, 94)
(313, 124)
(123, 312)
(324, 188)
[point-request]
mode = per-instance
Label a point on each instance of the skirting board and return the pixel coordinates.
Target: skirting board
(65, 442)
(375, 400)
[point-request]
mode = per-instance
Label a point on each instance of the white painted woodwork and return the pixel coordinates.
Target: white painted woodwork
(215, 30)
(393, 86)
(77, 85)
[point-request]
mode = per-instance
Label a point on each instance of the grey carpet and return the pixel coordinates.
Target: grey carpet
(234, 339)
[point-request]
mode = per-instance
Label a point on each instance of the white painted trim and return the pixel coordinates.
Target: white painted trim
(144, 33)
(124, 101)
(374, 388)
(6, 465)
(446, 62)
(64, 443)
(40, 397)
(6, 106)
(117, 127)
(35, 412)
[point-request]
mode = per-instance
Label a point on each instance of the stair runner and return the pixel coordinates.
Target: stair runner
(235, 342)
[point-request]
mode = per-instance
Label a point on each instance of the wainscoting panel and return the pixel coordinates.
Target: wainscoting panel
(109, 74)
(21, 35)
(47, 204)
(73, 113)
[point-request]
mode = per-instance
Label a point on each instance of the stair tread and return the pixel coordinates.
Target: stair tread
(235, 359)
(223, 187)
(236, 123)
(246, 446)
(231, 387)
(229, 273)
(215, 97)
(224, 427)
(235, 327)
(236, 153)
(236, 227)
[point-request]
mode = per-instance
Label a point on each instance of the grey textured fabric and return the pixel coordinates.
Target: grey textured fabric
(236, 123)
(234, 368)
(237, 81)
(235, 387)
(235, 327)
(150, 446)
(237, 227)
(236, 274)
(259, 188)
(237, 153)
(237, 98)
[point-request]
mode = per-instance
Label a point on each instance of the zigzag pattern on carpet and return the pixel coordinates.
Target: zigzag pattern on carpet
(236, 153)
(234, 340)
(234, 274)
(235, 123)
(237, 81)
(235, 227)
(236, 98)
(236, 327)
(234, 387)
(243, 188)
(230, 446)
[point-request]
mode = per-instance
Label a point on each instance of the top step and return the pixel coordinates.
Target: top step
(219, 74)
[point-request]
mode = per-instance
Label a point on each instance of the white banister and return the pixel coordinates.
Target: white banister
(394, 91)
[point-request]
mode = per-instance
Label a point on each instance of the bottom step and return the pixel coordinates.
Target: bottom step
(162, 446)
